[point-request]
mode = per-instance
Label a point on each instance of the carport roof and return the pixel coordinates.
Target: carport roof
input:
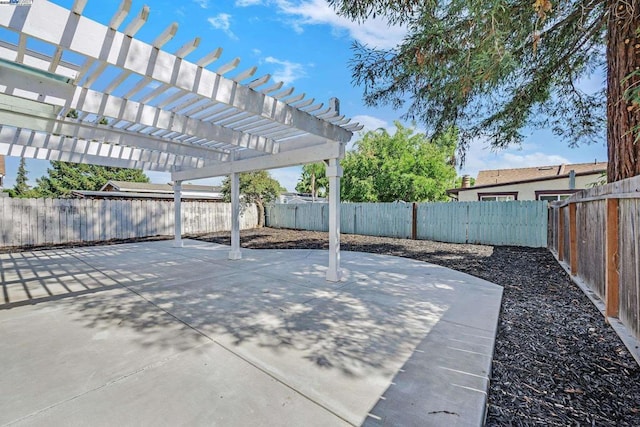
(163, 112)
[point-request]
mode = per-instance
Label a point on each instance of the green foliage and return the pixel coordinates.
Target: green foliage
(403, 166)
(64, 177)
(256, 187)
(313, 180)
(490, 68)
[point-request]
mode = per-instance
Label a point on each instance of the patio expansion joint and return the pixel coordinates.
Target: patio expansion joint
(206, 336)
(493, 331)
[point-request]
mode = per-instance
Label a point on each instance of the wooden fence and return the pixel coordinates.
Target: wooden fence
(492, 223)
(595, 234)
(39, 222)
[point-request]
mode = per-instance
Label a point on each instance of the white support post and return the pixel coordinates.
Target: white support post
(235, 253)
(177, 223)
(334, 172)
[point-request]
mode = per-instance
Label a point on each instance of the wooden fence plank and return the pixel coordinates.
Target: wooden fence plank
(573, 239)
(612, 278)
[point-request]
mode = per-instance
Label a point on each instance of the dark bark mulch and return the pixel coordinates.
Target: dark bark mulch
(556, 361)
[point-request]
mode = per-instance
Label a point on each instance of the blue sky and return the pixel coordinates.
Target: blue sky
(305, 45)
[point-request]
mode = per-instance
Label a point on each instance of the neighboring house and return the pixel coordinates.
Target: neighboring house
(291, 198)
(142, 190)
(537, 183)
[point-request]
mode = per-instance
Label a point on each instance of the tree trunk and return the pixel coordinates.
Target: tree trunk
(260, 207)
(623, 117)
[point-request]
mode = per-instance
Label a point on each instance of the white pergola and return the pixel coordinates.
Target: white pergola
(195, 119)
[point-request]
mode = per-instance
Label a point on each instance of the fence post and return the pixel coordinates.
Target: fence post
(414, 222)
(573, 239)
(611, 275)
(177, 215)
(560, 234)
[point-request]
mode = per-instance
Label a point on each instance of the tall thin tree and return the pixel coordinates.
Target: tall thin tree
(21, 187)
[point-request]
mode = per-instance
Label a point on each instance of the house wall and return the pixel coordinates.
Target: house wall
(527, 191)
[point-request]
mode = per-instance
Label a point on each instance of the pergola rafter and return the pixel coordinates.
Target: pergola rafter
(37, 145)
(162, 111)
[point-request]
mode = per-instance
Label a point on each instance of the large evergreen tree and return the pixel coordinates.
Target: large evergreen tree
(493, 67)
(404, 166)
(63, 177)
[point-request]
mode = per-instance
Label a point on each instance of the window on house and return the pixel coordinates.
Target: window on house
(553, 197)
(497, 198)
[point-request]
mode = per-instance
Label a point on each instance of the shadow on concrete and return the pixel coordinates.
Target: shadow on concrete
(337, 344)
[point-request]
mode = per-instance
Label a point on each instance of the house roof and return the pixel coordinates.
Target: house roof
(504, 176)
(145, 187)
(86, 194)
(2, 166)
(498, 177)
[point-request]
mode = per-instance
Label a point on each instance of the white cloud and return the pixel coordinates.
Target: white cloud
(533, 159)
(373, 32)
(202, 3)
(371, 123)
(287, 72)
(222, 21)
(245, 3)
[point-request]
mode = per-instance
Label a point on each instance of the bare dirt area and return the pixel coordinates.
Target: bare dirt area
(556, 360)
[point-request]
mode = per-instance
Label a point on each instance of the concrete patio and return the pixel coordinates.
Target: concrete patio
(147, 334)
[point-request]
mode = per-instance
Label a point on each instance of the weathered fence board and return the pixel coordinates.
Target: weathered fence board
(610, 268)
(376, 219)
(38, 222)
(591, 227)
(629, 267)
(566, 247)
(493, 223)
(443, 222)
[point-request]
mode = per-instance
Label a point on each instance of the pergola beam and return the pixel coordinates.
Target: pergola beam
(315, 153)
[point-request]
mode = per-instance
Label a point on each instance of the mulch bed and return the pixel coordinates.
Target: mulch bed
(556, 361)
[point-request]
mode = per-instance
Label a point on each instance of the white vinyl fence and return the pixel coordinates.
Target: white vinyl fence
(518, 223)
(38, 222)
